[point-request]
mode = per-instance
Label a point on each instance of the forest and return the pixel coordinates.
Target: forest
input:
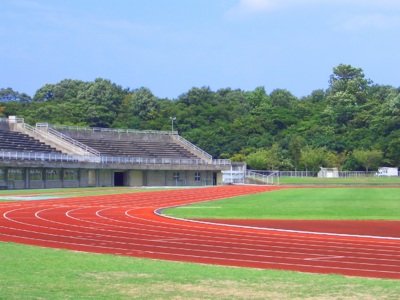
(354, 124)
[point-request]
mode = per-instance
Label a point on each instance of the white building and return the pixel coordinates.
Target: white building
(386, 171)
(328, 173)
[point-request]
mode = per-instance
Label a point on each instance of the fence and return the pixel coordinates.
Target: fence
(56, 157)
(350, 174)
(97, 129)
(271, 178)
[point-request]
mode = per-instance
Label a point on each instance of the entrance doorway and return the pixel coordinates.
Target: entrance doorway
(119, 178)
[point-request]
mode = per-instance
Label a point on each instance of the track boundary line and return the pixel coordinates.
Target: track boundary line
(159, 213)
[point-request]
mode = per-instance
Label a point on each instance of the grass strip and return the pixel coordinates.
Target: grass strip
(372, 180)
(30, 272)
(74, 192)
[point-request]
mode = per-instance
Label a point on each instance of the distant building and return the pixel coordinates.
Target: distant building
(328, 173)
(386, 171)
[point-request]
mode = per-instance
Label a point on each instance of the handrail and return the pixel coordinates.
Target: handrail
(98, 129)
(48, 136)
(194, 147)
(73, 141)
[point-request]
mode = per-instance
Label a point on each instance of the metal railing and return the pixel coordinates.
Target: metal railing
(97, 129)
(66, 138)
(231, 176)
(42, 156)
(221, 162)
(353, 174)
(194, 147)
(50, 137)
(261, 178)
(16, 120)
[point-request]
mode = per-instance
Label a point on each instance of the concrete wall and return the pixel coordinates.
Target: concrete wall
(36, 184)
(105, 177)
(97, 135)
(135, 178)
(155, 178)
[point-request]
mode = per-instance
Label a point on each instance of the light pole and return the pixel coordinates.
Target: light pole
(172, 120)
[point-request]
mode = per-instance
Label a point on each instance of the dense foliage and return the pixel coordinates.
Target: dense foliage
(353, 125)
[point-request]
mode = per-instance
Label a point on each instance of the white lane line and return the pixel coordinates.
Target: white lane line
(186, 236)
(158, 212)
(290, 256)
(324, 258)
(182, 236)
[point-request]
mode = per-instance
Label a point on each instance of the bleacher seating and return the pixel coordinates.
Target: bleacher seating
(138, 148)
(16, 141)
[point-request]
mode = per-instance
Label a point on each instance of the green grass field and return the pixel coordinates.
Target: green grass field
(372, 180)
(29, 272)
(5, 195)
(301, 204)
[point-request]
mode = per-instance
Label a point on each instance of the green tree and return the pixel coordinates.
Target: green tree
(294, 149)
(273, 157)
(102, 99)
(143, 103)
(257, 160)
(313, 158)
(282, 98)
(368, 158)
(9, 94)
(350, 80)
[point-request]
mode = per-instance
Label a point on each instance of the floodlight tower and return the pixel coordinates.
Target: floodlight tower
(172, 120)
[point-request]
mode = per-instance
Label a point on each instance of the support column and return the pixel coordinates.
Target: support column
(44, 178)
(27, 182)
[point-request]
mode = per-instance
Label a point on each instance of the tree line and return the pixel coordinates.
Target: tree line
(352, 125)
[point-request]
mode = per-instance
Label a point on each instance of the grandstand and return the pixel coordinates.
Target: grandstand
(16, 141)
(46, 156)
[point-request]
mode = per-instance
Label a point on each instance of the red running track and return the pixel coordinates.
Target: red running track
(127, 225)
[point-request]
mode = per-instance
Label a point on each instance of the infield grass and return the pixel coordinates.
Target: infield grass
(73, 192)
(355, 203)
(370, 180)
(29, 272)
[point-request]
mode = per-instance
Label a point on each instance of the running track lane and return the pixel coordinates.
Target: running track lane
(127, 225)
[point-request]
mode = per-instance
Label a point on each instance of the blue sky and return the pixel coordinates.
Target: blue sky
(170, 46)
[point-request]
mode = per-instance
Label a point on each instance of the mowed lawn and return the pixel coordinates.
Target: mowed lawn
(349, 203)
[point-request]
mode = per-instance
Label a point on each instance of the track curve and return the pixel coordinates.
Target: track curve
(127, 225)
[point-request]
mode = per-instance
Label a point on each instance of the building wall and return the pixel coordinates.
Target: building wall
(106, 178)
(83, 177)
(92, 178)
(135, 178)
(155, 178)
(38, 178)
